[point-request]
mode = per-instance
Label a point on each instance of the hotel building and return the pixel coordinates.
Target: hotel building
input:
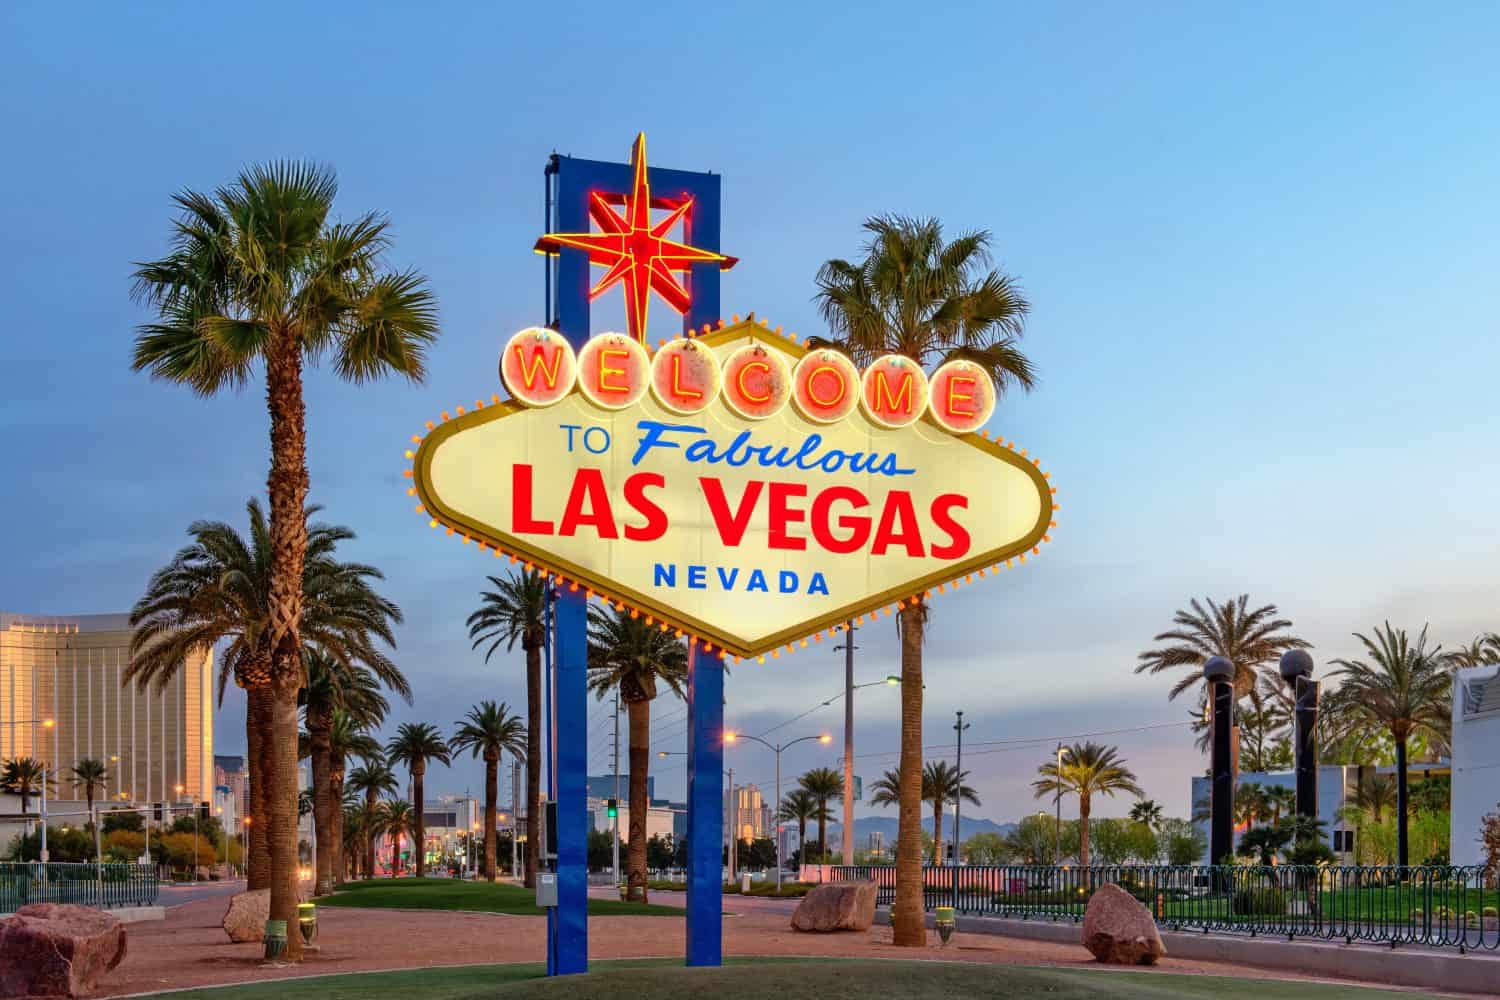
(71, 670)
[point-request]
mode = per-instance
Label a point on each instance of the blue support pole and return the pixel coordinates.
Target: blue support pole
(705, 873)
(571, 936)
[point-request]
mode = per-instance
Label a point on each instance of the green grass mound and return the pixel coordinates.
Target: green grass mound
(787, 979)
(454, 894)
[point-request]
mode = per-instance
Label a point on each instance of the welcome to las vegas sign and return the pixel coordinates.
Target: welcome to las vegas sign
(736, 486)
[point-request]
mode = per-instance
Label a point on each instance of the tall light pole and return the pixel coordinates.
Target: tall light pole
(1057, 801)
(958, 799)
(730, 737)
(848, 647)
(615, 819)
(45, 724)
(734, 822)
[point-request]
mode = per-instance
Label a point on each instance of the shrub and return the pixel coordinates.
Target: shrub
(1259, 902)
(1471, 918)
(1416, 915)
(1491, 912)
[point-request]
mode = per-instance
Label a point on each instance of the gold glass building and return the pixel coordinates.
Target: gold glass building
(71, 670)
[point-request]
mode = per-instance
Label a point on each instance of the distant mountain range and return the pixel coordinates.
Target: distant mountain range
(888, 825)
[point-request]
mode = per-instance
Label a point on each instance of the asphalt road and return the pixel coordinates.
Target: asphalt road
(176, 895)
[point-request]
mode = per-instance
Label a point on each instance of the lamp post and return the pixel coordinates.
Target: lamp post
(1062, 752)
(45, 724)
(958, 727)
(730, 737)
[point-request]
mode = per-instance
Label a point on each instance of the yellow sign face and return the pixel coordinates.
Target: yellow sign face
(747, 533)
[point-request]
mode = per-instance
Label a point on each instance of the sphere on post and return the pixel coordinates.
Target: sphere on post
(1296, 670)
(1218, 676)
(1218, 669)
(1296, 663)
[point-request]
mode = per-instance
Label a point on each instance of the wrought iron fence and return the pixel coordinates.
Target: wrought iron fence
(107, 887)
(1436, 905)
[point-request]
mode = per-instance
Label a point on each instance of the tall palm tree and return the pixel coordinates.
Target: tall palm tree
(516, 612)
(416, 744)
(259, 272)
(372, 779)
(1404, 687)
(350, 688)
(217, 590)
(24, 776)
(797, 806)
(1087, 769)
(487, 731)
(824, 784)
(394, 819)
(1250, 638)
(1149, 812)
(91, 775)
(355, 834)
(942, 784)
(347, 737)
(629, 656)
(929, 299)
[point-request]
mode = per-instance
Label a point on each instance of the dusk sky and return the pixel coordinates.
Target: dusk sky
(1259, 246)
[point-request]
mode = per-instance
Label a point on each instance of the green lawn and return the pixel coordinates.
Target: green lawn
(453, 894)
(649, 979)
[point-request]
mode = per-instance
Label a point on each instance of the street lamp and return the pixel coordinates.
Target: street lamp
(45, 724)
(1062, 752)
(731, 736)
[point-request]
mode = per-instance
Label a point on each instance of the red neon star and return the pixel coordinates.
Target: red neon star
(637, 253)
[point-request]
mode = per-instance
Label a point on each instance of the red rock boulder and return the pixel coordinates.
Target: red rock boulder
(57, 950)
(1119, 930)
(836, 906)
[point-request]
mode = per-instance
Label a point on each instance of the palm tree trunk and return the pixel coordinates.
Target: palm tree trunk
(320, 736)
(822, 829)
(907, 917)
(370, 838)
(937, 832)
(533, 759)
(1085, 805)
(287, 486)
(1401, 844)
(336, 817)
(257, 729)
(802, 841)
(639, 713)
(491, 795)
(419, 848)
(282, 836)
(396, 855)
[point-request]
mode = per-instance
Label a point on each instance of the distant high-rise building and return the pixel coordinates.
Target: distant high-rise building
(231, 775)
(71, 670)
(749, 819)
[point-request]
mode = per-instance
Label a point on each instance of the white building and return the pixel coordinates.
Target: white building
(1476, 759)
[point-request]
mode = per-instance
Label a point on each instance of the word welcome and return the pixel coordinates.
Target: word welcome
(613, 371)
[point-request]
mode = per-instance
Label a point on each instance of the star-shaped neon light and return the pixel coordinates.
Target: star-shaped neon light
(637, 253)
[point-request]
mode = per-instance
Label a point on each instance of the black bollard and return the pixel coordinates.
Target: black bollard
(1218, 672)
(1296, 670)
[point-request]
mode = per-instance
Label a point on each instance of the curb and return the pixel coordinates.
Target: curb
(1424, 968)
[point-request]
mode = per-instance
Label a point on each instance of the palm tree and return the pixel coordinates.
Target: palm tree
(394, 819)
(347, 737)
(1149, 812)
(1405, 688)
(218, 589)
(824, 784)
(355, 834)
(1087, 769)
(488, 730)
(1480, 652)
(1375, 795)
(942, 784)
(335, 687)
(1249, 803)
(797, 806)
(1281, 800)
(24, 776)
(627, 655)
(516, 612)
(372, 779)
(1250, 638)
(91, 775)
(415, 745)
(929, 299)
(258, 272)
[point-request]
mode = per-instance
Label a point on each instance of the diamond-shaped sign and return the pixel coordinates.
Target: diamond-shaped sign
(746, 533)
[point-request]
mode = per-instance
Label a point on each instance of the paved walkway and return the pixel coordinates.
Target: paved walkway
(189, 947)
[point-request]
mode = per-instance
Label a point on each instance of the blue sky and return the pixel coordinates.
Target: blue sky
(1260, 248)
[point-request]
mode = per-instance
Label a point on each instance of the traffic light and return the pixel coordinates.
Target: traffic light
(156, 812)
(612, 808)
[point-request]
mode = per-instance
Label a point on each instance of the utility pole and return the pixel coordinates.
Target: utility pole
(515, 815)
(734, 821)
(616, 819)
(848, 832)
(959, 727)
